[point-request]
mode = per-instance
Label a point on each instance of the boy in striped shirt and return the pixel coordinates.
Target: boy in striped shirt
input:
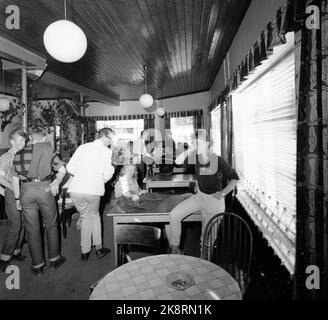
(15, 235)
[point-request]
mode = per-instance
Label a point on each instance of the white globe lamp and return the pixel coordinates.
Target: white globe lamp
(65, 41)
(146, 100)
(4, 104)
(160, 111)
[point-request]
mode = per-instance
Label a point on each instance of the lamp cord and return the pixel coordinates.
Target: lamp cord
(65, 11)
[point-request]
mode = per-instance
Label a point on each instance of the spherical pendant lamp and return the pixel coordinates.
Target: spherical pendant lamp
(146, 100)
(65, 41)
(160, 111)
(4, 104)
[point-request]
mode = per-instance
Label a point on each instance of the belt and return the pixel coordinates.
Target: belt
(34, 180)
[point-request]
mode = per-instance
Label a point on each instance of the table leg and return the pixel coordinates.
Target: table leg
(114, 242)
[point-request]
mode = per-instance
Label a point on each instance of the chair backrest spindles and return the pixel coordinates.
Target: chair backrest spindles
(228, 242)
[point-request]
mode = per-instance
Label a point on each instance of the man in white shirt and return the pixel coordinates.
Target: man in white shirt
(91, 167)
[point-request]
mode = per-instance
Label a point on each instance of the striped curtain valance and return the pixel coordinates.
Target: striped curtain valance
(286, 19)
(123, 117)
(180, 114)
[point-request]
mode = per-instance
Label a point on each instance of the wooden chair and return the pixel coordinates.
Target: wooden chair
(131, 234)
(137, 235)
(66, 206)
(66, 210)
(228, 242)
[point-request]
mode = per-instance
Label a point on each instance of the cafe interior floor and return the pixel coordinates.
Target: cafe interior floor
(73, 279)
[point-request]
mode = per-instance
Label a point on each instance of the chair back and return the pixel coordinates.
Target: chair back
(138, 235)
(228, 242)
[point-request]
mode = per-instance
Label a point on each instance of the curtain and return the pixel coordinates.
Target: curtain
(149, 122)
(312, 159)
(199, 120)
(123, 117)
(167, 123)
(227, 132)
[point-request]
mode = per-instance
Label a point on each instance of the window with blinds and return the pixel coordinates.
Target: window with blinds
(264, 113)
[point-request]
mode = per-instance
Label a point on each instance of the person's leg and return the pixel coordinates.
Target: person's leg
(81, 206)
(180, 212)
(31, 218)
(48, 210)
(93, 207)
(13, 242)
(21, 237)
(141, 168)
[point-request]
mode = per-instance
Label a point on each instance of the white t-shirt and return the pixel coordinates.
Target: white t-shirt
(91, 167)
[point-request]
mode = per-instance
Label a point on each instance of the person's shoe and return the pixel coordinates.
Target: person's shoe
(4, 265)
(37, 271)
(85, 256)
(56, 264)
(19, 257)
(102, 252)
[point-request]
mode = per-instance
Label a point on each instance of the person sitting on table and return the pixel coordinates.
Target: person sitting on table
(209, 199)
(127, 184)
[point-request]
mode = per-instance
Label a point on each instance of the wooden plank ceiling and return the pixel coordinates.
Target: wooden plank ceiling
(183, 42)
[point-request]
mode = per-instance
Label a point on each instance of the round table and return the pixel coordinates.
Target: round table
(144, 279)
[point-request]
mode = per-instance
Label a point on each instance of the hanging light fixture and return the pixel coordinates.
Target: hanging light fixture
(4, 102)
(146, 100)
(65, 41)
(160, 111)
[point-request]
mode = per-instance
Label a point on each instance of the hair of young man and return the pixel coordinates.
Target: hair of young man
(105, 132)
(18, 133)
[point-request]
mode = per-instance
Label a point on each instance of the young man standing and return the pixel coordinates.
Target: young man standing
(91, 167)
(34, 167)
(15, 236)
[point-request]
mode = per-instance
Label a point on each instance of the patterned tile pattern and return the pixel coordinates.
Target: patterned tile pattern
(144, 279)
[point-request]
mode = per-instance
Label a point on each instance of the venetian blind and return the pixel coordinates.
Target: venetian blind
(264, 113)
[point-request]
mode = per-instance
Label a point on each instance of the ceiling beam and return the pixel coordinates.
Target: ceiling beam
(51, 78)
(18, 54)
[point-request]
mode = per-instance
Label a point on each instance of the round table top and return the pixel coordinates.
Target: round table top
(144, 279)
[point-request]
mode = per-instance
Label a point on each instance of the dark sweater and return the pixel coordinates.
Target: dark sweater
(210, 176)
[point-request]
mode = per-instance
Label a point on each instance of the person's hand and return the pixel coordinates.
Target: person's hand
(54, 188)
(142, 192)
(135, 197)
(18, 205)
